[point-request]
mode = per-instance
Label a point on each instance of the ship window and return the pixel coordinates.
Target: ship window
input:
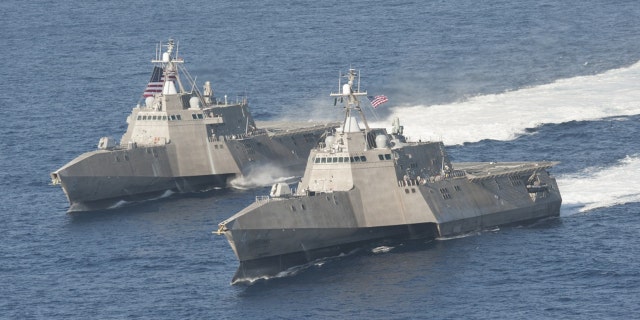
(387, 156)
(323, 160)
(139, 117)
(303, 207)
(172, 117)
(193, 115)
(144, 117)
(356, 159)
(413, 190)
(406, 190)
(178, 117)
(317, 160)
(155, 117)
(340, 159)
(335, 160)
(381, 157)
(351, 158)
(200, 116)
(363, 158)
(164, 118)
(329, 160)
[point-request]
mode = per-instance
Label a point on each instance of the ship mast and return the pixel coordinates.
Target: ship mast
(348, 95)
(169, 64)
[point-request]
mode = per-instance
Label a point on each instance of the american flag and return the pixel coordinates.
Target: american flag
(377, 100)
(156, 83)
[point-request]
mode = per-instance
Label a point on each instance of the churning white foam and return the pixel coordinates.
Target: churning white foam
(600, 187)
(262, 176)
(505, 116)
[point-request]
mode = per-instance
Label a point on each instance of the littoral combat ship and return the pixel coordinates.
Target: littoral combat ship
(181, 140)
(364, 184)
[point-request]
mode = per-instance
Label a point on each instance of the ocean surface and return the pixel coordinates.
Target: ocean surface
(494, 80)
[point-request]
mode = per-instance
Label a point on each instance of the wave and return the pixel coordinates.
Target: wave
(594, 188)
(506, 116)
(262, 176)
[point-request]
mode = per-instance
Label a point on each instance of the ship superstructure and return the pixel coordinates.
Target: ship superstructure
(363, 184)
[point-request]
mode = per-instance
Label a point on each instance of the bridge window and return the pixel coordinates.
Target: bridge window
(323, 160)
(363, 158)
(387, 156)
(381, 157)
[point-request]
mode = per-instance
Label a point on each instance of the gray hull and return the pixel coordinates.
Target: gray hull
(97, 193)
(98, 179)
(312, 245)
(298, 246)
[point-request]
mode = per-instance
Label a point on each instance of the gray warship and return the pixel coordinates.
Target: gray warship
(365, 184)
(182, 140)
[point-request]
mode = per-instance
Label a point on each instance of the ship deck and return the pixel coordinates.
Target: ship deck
(483, 170)
(279, 127)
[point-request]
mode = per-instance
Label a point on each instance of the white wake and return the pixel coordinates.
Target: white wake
(505, 116)
(600, 187)
(262, 176)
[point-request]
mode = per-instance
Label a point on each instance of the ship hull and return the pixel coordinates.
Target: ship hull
(98, 193)
(312, 244)
(265, 253)
(98, 179)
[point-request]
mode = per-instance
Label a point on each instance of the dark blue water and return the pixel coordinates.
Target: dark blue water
(72, 70)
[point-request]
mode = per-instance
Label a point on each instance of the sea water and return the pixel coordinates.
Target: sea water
(496, 81)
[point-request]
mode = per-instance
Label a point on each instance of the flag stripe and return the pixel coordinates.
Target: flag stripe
(156, 83)
(377, 100)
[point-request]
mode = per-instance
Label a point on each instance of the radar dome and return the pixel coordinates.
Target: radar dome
(381, 141)
(149, 102)
(346, 88)
(194, 103)
(329, 140)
